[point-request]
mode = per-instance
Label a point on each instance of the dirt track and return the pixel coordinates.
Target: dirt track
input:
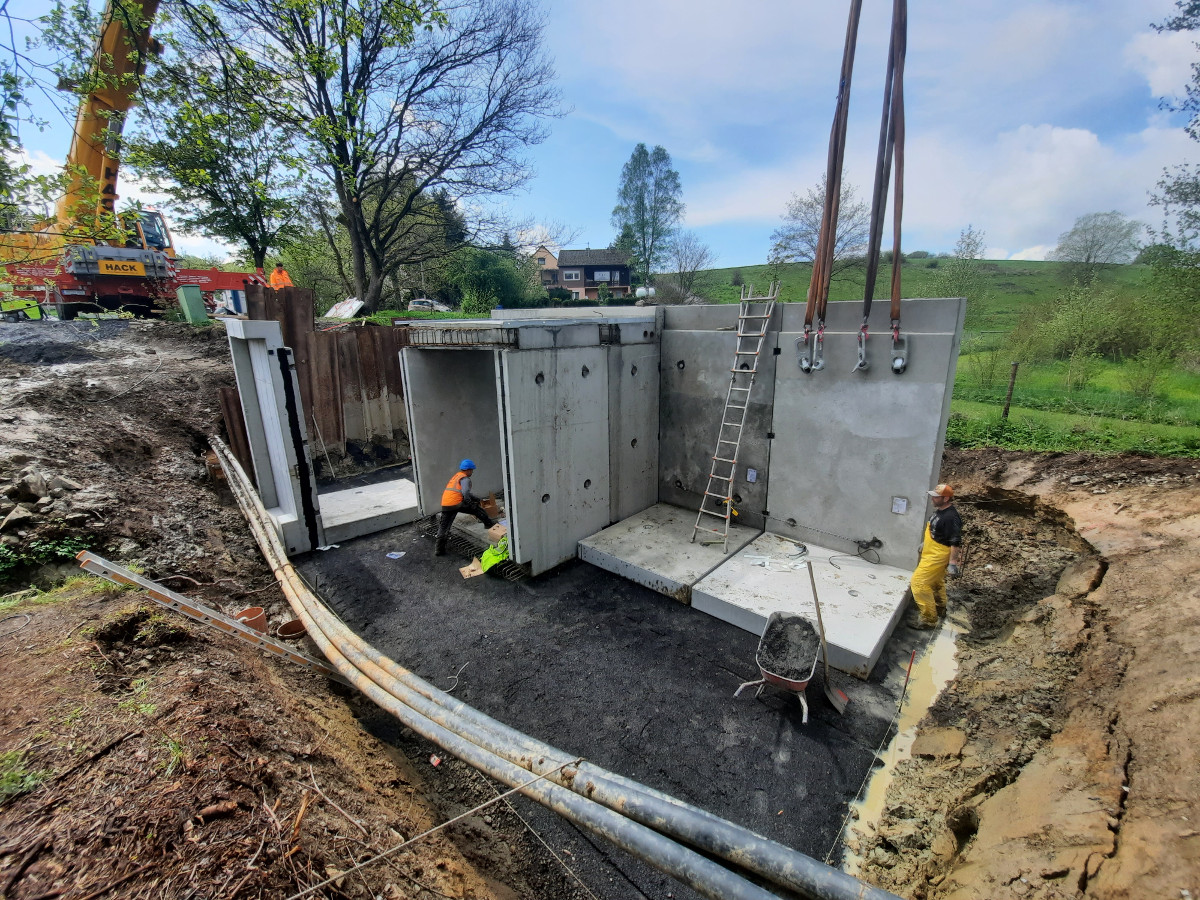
(1061, 762)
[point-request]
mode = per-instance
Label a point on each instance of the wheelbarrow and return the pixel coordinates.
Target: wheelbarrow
(786, 657)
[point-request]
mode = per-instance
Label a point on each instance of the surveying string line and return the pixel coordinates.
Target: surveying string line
(541, 839)
(377, 858)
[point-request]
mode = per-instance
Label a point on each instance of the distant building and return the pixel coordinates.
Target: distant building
(582, 272)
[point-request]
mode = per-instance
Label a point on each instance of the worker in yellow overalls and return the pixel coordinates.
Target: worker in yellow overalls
(939, 554)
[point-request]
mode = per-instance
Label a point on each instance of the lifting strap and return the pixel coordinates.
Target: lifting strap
(818, 286)
(891, 142)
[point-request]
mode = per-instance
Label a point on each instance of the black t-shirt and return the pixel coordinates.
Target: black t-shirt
(945, 527)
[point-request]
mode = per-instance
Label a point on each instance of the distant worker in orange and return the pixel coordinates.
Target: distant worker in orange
(941, 546)
(279, 277)
(456, 498)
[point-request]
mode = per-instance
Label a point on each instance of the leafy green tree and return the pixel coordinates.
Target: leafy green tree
(649, 205)
(484, 276)
(230, 173)
(394, 102)
(1177, 266)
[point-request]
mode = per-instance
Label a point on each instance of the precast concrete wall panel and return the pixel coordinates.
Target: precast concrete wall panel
(557, 437)
(450, 396)
(694, 383)
(633, 426)
(855, 452)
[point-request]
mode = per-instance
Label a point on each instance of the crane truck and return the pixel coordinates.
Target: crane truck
(49, 269)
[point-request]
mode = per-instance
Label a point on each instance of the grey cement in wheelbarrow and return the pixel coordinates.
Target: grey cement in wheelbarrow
(632, 680)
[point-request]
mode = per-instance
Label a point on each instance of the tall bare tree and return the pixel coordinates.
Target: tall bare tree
(796, 240)
(398, 103)
(689, 255)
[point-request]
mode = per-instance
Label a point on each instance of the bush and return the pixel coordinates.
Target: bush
(737, 280)
(477, 304)
(917, 254)
(1143, 371)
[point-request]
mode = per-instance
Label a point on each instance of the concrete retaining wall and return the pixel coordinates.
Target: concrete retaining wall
(450, 396)
(694, 382)
(557, 441)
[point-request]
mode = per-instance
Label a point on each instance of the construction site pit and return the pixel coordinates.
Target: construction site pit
(1045, 747)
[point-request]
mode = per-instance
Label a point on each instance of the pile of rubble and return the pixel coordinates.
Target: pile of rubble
(34, 498)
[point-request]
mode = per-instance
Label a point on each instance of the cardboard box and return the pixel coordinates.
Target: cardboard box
(475, 568)
(492, 507)
(496, 532)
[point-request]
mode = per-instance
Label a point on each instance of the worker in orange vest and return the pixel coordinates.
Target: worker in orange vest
(456, 498)
(280, 278)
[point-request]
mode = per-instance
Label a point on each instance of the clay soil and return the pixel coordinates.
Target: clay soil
(142, 756)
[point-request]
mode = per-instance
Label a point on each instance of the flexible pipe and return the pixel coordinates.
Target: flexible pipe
(632, 800)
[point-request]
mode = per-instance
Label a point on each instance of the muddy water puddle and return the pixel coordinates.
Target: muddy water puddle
(932, 669)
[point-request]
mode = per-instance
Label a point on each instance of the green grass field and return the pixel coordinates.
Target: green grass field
(1106, 417)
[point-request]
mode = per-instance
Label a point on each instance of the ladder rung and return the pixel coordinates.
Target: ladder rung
(709, 512)
(746, 353)
(724, 441)
(722, 459)
(732, 406)
(734, 387)
(710, 530)
(750, 372)
(718, 496)
(733, 424)
(755, 316)
(722, 477)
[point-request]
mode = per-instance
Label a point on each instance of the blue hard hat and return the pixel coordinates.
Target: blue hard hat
(467, 464)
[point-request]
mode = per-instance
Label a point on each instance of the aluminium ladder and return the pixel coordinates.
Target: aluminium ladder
(754, 318)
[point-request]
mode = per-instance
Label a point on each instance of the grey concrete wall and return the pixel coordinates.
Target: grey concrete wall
(633, 427)
(694, 382)
(557, 441)
(450, 396)
(848, 442)
(578, 312)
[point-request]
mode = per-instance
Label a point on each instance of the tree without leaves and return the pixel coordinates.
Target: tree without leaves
(960, 275)
(397, 102)
(796, 240)
(1097, 240)
(688, 256)
(648, 205)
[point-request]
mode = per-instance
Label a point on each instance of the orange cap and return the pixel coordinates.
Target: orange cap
(942, 490)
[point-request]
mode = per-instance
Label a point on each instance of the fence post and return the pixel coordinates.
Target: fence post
(1012, 379)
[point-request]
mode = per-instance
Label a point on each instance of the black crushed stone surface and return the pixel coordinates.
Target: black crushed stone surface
(789, 647)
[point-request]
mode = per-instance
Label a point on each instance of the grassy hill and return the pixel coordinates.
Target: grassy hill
(1011, 285)
(1122, 404)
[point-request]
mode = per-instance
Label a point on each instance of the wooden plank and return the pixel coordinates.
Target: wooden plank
(394, 340)
(325, 386)
(351, 393)
(256, 302)
(295, 311)
(235, 427)
(375, 419)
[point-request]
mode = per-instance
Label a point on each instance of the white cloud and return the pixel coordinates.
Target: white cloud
(1038, 252)
(1165, 60)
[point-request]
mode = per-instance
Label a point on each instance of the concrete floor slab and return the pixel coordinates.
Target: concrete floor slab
(654, 548)
(353, 512)
(860, 602)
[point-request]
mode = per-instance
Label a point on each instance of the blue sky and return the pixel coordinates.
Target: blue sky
(1022, 114)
